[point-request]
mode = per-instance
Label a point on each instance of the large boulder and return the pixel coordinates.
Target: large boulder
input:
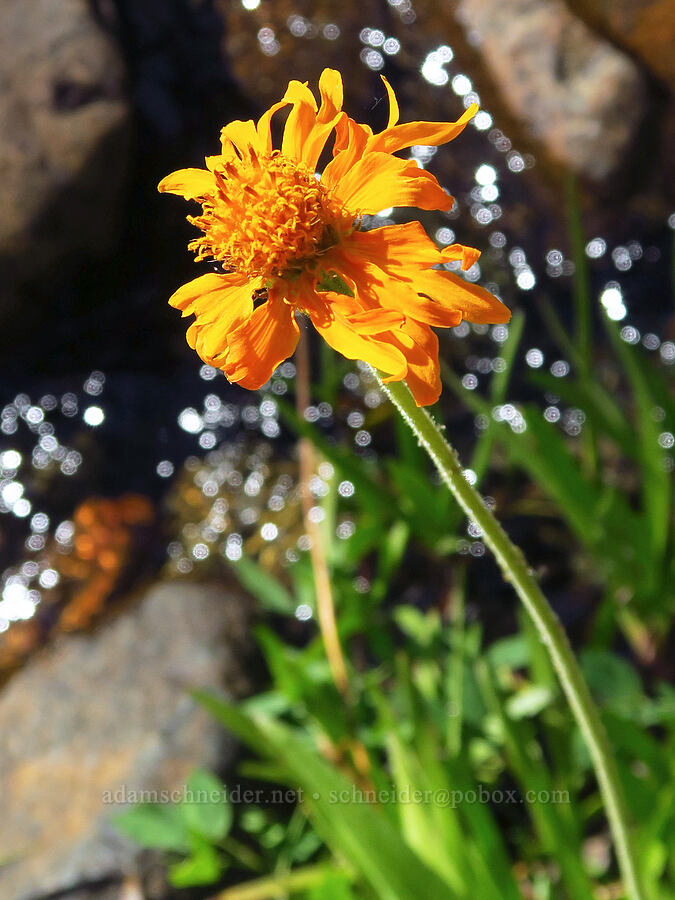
(64, 137)
(646, 28)
(581, 97)
(99, 717)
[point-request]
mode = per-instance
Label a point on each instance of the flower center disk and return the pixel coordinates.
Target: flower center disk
(267, 216)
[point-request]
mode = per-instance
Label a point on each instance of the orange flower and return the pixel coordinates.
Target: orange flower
(288, 240)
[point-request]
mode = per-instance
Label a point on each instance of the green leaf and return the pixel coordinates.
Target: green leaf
(581, 285)
(154, 825)
(319, 881)
(391, 553)
(453, 837)
(499, 384)
(420, 501)
(510, 651)
(656, 482)
(431, 829)
(270, 593)
(331, 281)
(606, 414)
(204, 866)
(288, 666)
(356, 830)
(528, 702)
(423, 628)
(336, 886)
(557, 831)
(614, 682)
(207, 811)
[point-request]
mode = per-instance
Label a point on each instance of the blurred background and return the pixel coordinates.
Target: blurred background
(133, 478)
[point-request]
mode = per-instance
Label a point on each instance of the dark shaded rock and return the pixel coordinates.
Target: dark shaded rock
(63, 145)
(100, 716)
(104, 307)
(582, 98)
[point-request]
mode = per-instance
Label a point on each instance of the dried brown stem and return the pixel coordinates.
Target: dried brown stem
(324, 591)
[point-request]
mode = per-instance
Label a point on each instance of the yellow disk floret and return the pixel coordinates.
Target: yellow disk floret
(266, 217)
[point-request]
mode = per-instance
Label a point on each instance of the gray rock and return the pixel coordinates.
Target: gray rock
(64, 137)
(576, 93)
(97, 717)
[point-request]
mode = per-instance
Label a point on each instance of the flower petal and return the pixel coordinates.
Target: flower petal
(306, 132)
(301, 120)
(428, 134)
(257, 347)
(395, 247)
(361, 312)
(379, 180)
(337, 331)
(211, 291)
(382, 354)
(350, 142)
(392, 265)
(330, 88)
(452, 292)
(214, 336)
(263, 127)
(218, 163)
(468, 255)
(370, 321)
(316, 141)
(243, 135)
(393, 104)
(423, 376)
(220, 303)
(188, 183)
(405, 297)
(395, 292)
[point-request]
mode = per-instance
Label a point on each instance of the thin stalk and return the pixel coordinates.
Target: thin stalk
(515, 570)
(324, 592)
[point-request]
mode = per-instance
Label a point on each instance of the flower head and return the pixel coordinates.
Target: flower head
(287, 240)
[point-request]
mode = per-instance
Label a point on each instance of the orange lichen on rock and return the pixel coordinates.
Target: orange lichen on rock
(90, 570)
